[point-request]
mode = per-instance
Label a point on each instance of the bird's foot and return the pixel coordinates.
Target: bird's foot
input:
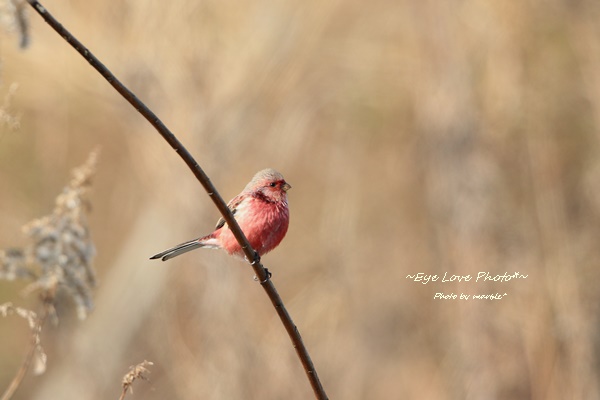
(256, 259)
(267, 273)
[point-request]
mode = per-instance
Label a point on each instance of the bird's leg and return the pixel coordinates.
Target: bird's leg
(256, 261)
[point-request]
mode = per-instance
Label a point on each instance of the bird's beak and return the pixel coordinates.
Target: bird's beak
(286, 186)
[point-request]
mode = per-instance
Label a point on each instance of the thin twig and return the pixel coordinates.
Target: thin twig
(251, 255)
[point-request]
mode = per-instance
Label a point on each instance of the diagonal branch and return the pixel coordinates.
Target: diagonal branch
(259, 270)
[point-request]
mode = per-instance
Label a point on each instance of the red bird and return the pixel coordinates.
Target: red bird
(262, 212)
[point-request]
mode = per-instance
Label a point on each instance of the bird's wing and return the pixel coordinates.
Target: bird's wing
(233, 207)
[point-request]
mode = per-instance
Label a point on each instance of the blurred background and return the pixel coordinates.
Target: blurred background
(418, 136)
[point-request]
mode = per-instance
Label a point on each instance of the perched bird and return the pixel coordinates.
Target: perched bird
(261, 210)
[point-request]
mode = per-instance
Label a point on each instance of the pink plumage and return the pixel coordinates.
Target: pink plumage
(261, 210)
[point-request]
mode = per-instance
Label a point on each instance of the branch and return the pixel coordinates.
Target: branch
(259, 269)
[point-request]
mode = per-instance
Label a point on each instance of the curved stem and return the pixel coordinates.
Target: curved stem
(259, 269)
(22, 371)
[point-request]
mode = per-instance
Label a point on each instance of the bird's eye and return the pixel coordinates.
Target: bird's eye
(273, 184)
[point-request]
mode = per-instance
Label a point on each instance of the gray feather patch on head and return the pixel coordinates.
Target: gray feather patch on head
(266, 175)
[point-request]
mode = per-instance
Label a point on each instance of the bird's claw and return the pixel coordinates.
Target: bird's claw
(256, 259)
(267, 273)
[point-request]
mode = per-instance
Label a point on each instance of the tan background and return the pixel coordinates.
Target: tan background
(418, 136)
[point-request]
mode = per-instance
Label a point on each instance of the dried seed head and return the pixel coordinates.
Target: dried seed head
(60, 255)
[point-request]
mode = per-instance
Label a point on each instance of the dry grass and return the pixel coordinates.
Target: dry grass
(418, 137)
(138, 371)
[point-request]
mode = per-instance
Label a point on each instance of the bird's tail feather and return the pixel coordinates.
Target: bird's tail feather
(208, 241)
(178, 250)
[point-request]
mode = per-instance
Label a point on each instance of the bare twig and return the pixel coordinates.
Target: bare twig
(251, 255)
(137, 371)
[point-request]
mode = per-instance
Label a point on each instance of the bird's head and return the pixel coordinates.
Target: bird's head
(270, 183)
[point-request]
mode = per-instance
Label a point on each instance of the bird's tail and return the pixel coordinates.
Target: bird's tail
(207, 241)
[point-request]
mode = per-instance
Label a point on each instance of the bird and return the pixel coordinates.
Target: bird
(261, 210)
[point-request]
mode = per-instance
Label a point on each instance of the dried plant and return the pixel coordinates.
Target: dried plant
(135, 372)
(60, 255)
(8, 119)
(39, 356)
(59, 259)
(13, 17)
